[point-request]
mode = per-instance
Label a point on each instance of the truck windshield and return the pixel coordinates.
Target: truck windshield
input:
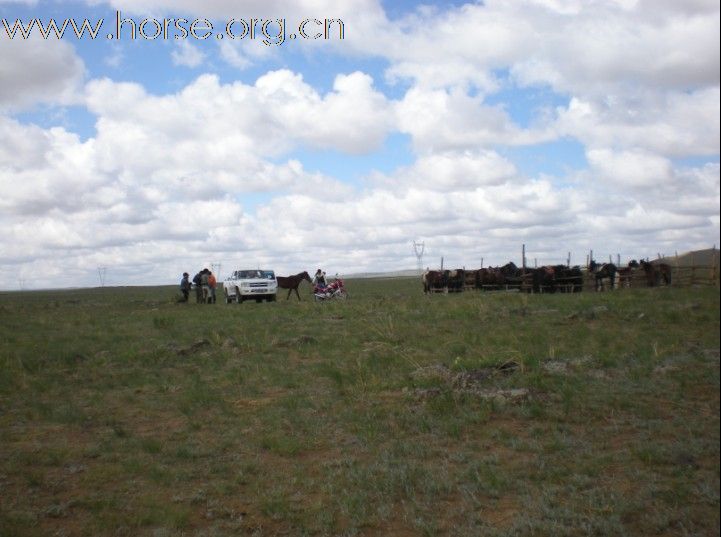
(255, 274)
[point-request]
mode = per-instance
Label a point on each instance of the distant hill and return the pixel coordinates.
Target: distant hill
(698, 258)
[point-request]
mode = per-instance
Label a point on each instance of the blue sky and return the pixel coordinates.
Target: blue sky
(474, 127)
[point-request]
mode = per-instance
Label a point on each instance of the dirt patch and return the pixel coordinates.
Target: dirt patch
(565, 367)
(664, 369)
(303, 339)
(501, 514)
(471, 382)
(467, 378)
(229, 343)
(588, 314)
(186, 350)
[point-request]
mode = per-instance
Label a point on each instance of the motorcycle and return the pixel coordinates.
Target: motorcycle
(335, 289)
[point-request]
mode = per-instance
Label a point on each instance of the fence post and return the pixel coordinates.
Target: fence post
(693, 269)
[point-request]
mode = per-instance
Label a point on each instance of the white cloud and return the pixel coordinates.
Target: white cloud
(674, 124)
(632, 168)
(440, 119)
(234, 55)
(36, 71)
(115, 58)
(187, 55)
(573, 46)
(49, 169)
(452, 171)
(230, 8)
(213, 129)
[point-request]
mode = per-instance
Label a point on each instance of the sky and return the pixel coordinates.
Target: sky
(472, 128)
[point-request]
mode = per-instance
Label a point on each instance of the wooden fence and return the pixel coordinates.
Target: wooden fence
(681, 276)
(684, 273)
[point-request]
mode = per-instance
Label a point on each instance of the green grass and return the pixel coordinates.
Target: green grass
(123, 412)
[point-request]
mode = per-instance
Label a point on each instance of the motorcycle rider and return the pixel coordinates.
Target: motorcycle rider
(319, 279)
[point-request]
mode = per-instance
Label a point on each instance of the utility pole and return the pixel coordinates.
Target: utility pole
(419, 248)
(101, 275)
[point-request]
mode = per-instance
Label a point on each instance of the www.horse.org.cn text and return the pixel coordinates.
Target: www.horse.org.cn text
(268, 31)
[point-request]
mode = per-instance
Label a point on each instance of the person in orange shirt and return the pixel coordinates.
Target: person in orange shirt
(212, 283)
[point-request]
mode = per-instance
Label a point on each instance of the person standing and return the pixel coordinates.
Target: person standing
(204, 284)
(319, 279)
(212, 283)
(198, 288)
(185, 287)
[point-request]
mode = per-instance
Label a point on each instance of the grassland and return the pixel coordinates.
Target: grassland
(123, 412)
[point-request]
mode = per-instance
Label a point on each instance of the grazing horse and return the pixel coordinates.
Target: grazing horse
(292, 282)
(607, 270)
(654, 273)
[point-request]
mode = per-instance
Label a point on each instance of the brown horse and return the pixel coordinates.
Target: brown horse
(601, 272)
(292, 282)
(656, 272)
(625, 274)
(434, 279)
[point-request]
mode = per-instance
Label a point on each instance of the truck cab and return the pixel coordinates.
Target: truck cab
(253, 284)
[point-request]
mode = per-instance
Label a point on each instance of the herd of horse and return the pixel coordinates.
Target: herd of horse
(546, 279)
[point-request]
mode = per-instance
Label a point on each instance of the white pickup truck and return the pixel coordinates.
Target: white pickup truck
(255, 285)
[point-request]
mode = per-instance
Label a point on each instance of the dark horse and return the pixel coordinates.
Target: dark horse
(625, 274)
(607, 270)
(292, 282)
(656, 272)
